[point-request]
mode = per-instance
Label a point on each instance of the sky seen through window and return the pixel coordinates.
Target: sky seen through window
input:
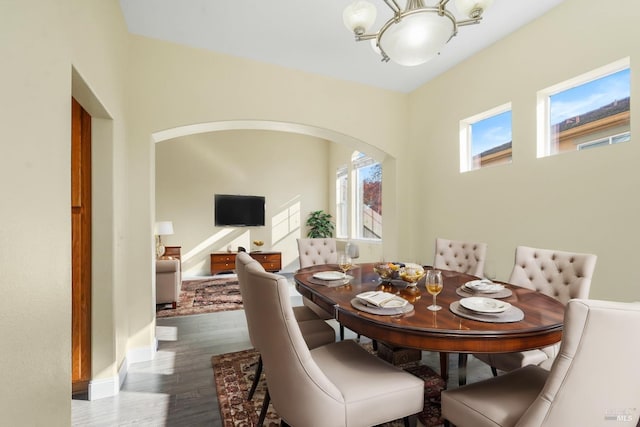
(496, 130)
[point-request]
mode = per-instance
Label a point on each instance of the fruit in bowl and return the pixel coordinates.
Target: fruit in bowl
(387, 270)
(412, 273)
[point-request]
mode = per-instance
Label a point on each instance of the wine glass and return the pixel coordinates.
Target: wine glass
(345, 263)
(434, 286)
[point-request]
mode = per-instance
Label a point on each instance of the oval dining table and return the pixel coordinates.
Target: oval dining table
(443, 330)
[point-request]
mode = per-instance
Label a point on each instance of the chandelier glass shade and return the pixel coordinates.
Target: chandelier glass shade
(415, 34)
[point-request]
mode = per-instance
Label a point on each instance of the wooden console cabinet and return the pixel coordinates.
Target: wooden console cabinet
(226, 261)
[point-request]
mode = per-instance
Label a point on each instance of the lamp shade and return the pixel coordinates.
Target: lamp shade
(359, 16)
(163, 228)
(416, 38)
(472, 8)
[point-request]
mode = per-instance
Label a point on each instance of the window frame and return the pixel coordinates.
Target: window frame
(355, 197)
(544, 143)
(359, 161)
(466, 135)
(342, 202)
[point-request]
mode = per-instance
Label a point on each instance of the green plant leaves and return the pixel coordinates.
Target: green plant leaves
(320, 225)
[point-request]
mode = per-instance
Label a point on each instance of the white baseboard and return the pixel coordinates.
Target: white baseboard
(105, 387)
(142, 354)
(108, 387)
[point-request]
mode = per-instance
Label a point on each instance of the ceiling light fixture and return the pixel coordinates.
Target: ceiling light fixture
(416, 34)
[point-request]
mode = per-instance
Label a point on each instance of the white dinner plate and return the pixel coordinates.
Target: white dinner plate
(484, 305)
(329, 275)
(483, 286)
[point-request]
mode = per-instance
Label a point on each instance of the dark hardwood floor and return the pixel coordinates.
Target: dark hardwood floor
(177, 387)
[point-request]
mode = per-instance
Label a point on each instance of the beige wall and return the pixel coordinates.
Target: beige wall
(288, 169)
(174, 86)
(583, 201)
(34, 177)
(41, 41)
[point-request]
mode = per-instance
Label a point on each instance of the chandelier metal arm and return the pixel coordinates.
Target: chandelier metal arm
(393, 5)
(362, 37)
(469, 22)
(426, 35)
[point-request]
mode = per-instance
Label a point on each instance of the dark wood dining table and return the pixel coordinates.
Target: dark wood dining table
(442, 330)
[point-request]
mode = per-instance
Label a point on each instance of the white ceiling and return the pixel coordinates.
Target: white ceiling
(310, 36)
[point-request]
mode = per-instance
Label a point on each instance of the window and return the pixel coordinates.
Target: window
(368, 196)
(359, 198)
(591, 110)
(485, 139)
(342, 217)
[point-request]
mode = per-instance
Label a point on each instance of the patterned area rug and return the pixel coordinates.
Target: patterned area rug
(233, 374)
(201, 296)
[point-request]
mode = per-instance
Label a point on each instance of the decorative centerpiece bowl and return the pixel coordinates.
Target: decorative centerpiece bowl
(387, 272)
(258, 244)
(411, 273)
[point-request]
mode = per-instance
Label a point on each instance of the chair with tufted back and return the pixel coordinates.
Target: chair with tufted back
(463, 257)
(590, 382)
(561, 275)
(317, 251)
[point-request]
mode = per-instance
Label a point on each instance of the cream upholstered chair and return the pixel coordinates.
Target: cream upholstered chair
(560, 275)
(318, 251)
(460, 256)
(168, 281)
(315, 331)
(590, 382)
(463, 257)
(338, 384)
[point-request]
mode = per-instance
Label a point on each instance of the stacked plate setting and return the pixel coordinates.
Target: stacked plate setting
(484, 305)
(329, 275)
(482, 287)
(331, 278)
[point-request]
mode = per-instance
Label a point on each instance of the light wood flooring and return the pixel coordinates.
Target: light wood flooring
(177, 387)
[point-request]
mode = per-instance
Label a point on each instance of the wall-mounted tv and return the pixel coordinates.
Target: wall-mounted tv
(238, 211)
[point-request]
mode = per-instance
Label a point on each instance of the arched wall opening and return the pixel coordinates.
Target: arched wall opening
(282, 226)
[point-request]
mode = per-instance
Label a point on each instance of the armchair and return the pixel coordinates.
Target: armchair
(168, 282)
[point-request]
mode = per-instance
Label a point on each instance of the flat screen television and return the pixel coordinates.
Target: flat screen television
(238, 211)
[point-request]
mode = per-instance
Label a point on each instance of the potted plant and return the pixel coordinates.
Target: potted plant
(320, 225)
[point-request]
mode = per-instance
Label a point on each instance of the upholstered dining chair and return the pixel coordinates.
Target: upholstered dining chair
(315, 331)
(558, 274)
(461, 256)
(589, 383)
(338, 384)
(318, 251)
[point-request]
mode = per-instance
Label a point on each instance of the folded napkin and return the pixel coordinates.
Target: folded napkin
(381, 299)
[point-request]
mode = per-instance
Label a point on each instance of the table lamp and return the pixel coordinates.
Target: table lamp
(162, 228)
